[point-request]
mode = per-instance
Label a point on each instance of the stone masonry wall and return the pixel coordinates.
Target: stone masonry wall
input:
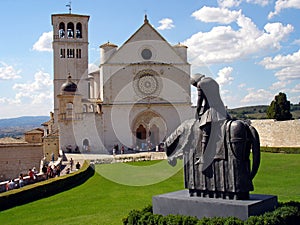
(278, 133)
(19, 158)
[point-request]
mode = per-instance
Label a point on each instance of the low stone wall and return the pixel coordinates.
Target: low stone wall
(39, 177)
(144, 156)
(278, 133)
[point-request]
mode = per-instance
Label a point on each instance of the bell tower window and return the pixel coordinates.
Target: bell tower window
(62, 53)
(70, 53)
(61, 31)
(70, 30)
(78, 30)
(78, 53)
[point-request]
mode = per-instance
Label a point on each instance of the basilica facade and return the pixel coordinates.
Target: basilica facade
(137, 97)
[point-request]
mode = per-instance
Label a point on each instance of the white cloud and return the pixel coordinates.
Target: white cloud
(37, 91)
(279, 85)
(229, 3)
(31, 98)
(44, 43)
(242, 85)
(284, 4)
(296, 89)
(287, 65)
(256, 97)
(224, 44)
(8, 72)
(259, 2)
(218, 15)
(224, 76)
(235, 3)
(166, 24)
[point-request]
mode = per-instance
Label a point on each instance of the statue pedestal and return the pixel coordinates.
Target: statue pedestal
(180, 203)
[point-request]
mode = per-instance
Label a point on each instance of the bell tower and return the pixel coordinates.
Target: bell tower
(70, 53)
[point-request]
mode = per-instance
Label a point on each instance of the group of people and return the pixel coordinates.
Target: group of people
(19, 182)
(51, 171)
(116, 149)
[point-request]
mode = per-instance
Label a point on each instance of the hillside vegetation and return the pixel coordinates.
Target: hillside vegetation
(16, 127)
(259, 112)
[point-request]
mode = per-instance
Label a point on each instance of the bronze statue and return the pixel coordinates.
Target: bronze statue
(215, 148)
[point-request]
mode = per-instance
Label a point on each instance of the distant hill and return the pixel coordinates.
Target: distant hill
(259, 112)
(15, 127)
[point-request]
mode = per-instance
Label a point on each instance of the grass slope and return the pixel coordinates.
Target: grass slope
(101, 201)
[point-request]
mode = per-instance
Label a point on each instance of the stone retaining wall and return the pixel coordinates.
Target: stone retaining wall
(278, 133)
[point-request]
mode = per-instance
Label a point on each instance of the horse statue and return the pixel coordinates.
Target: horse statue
(215, 148)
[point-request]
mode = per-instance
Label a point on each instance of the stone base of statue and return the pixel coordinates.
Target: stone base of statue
(180, 203)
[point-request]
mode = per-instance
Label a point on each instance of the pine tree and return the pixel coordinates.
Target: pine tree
(279, 108)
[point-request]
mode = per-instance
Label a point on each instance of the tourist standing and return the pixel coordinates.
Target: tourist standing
(21, 180)
(71, 164)
(31, 176)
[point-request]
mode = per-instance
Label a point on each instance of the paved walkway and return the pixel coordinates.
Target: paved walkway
(81, 158)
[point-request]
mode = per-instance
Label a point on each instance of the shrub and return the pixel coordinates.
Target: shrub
(45, 188)
(285, 214)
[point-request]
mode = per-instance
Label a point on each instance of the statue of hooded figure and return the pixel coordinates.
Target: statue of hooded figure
(213, 165)
(211, 114)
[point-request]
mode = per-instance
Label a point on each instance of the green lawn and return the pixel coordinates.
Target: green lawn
(102, 201)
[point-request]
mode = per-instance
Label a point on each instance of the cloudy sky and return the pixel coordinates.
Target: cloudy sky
(251, 47)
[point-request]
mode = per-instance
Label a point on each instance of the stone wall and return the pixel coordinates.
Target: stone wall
(278, 133)
(16, 158)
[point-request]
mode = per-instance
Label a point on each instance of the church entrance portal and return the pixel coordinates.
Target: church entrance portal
(149, 129)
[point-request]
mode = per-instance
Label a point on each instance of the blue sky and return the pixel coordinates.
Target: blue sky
(251, 47)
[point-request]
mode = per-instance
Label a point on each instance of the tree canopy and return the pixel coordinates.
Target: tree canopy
(279, 108)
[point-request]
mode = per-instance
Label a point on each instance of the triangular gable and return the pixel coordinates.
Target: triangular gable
(145, 33)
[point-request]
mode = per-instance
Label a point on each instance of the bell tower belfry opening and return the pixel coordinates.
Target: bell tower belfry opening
(70, 53)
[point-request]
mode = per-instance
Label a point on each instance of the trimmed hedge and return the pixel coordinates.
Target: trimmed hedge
(288, 150)
(286, 214)
(45, 188)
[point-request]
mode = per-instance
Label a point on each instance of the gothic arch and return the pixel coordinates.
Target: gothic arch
(148, 128)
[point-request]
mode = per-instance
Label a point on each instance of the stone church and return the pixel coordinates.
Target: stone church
(137, 97)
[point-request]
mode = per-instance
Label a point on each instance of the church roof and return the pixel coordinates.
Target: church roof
(35, 131)
(180, 45)
(108, 44)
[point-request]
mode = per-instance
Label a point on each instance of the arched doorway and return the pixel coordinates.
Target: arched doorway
(85, 144)
(140, 136)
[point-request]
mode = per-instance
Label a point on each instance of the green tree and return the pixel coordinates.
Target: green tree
(279, 108)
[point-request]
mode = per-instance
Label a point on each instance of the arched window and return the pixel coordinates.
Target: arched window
(84, 108)
(78, 30)
(70, 30)
(92, 108)
(69, 109)
(61, 31)
(70, 105)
